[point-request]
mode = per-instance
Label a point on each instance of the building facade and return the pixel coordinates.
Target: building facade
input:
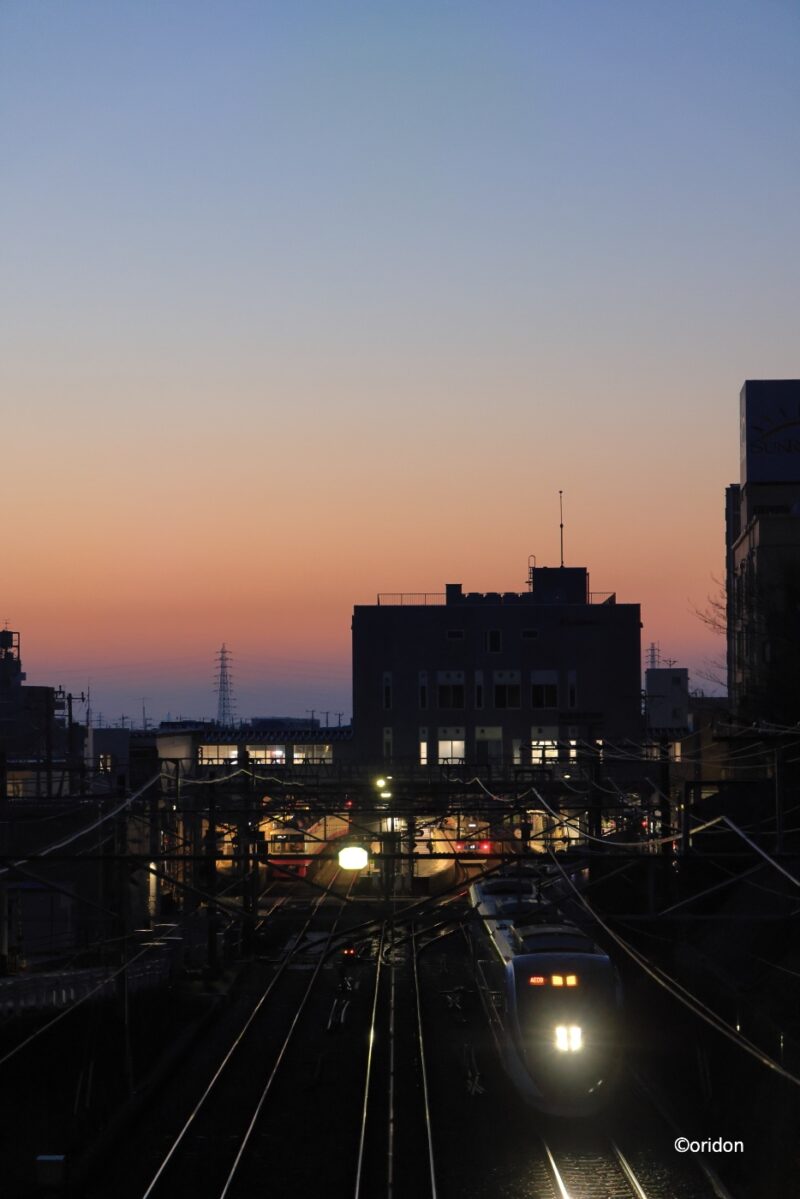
(518, 678)
(763, 556)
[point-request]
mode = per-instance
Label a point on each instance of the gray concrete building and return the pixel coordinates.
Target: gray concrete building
(513, 678)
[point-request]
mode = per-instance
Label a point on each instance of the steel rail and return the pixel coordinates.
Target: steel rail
(284, 962)
(423, 1068)
(391, 1125)
(368, 1076)
(616, 1156)
(245, 1141)
(627, 1170)
(554, 1170)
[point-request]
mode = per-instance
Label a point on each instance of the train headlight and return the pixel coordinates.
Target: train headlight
(569, 1038)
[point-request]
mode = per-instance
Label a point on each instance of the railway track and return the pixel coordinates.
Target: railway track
(395, 1156)
(599, 1172)
(206, 1156)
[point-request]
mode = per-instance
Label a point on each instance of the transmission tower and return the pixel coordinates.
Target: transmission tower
(226, 704)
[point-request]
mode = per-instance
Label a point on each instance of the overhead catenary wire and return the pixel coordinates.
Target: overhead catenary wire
(679, 992)
(56, 845)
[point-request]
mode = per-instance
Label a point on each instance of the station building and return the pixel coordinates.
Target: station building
(506, 679)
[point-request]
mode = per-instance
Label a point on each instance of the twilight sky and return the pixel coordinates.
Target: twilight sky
(304, 301)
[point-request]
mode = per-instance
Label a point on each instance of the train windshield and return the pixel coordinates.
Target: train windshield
(554, 989)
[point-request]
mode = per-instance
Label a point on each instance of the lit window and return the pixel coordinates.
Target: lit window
(309, 754)
(451, 750)
(543, 751)
(272, 755)
(215, 755)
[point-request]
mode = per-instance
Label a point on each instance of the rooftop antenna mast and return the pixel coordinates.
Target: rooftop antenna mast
(561, 526)
(224, 688)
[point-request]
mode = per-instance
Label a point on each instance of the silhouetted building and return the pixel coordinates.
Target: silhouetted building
(763, 556)
(505, 679)
(40, 748)
(667, 701)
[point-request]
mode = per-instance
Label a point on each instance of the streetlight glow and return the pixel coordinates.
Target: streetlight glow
(353, 857)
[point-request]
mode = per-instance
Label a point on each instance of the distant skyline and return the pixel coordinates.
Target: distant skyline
(305, 302)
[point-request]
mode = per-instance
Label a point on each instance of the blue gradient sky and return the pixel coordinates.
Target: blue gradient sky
(301, 302)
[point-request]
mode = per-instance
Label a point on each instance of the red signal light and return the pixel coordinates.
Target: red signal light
(485, 846)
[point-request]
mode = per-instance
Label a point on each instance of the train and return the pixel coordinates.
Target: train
(292, 853)
(553, 997)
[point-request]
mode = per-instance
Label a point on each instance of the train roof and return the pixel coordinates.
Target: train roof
(552, 938)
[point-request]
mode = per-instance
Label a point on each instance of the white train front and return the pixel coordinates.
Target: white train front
(552, 997)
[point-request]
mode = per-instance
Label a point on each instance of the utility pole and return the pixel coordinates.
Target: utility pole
(664, 788)
(211, 882)
(778, 802)
(123, 908)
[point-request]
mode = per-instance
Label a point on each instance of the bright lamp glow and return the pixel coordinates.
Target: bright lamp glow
(380, 783)
(569, 1039)
(353, 857)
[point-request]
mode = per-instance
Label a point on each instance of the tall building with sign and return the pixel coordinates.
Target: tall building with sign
(763, 556)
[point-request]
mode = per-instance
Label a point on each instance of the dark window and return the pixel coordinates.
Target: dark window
(494, 641)
(451, 695)
(572, 696)
(423, 695)
(479, 695)
(387, 695)
(529, 634)
(544, 695)
(506, 695)
(455, 634)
